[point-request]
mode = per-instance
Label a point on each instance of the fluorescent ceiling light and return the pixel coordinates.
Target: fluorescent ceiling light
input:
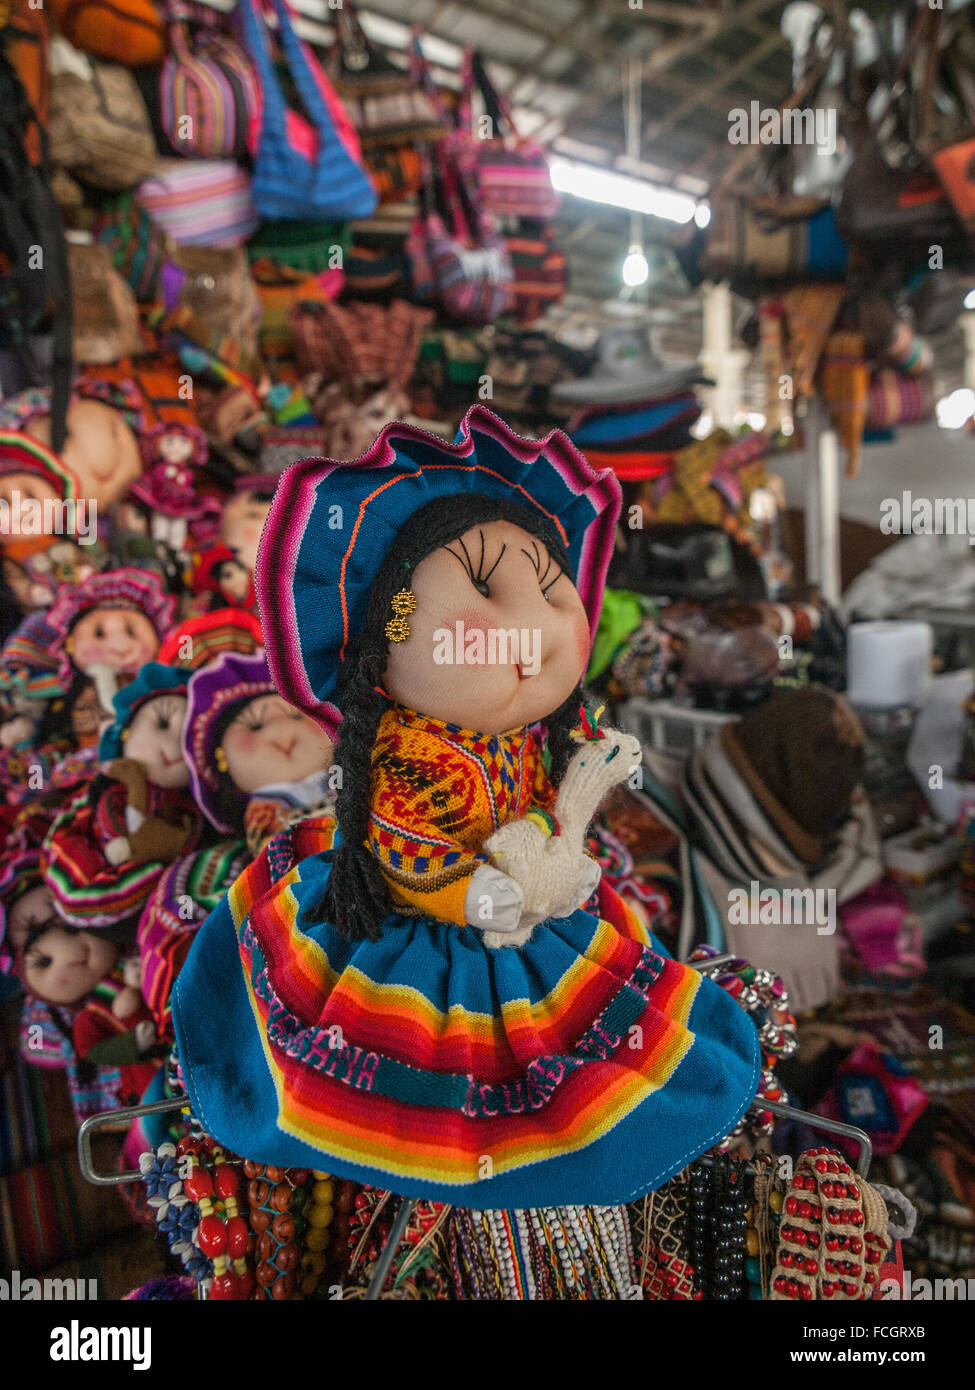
(621, 191)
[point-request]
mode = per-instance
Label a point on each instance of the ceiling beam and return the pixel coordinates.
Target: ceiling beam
(670, 51)
(653, 130)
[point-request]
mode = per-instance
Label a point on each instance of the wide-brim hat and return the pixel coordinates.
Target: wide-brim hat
(151, 680)
(628, 370)
(214, 690)
(140, 590)
(332, 524)
(202, 639)
(21, 454)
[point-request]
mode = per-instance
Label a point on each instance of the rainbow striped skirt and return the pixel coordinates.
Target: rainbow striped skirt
(586, 1067)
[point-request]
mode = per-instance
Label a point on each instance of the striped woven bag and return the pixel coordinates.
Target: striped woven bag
(208, 92)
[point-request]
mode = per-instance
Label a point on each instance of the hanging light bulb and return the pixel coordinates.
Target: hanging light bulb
(636, 267)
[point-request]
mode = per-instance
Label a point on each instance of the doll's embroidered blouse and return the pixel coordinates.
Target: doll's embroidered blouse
(437, 793)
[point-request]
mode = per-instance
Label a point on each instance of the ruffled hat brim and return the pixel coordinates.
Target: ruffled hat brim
(331, 525)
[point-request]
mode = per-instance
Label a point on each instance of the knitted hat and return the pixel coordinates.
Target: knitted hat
(21, 454)
(332, 524)
(139, 590)
(19, 873)
(198, 882)
(801, 753)
(153, 679)
(204, 579)
(28, 663)
(213, 691)
(198, 641)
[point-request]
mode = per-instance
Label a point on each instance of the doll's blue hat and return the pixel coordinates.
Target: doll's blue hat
(332, 524)
(153, 679)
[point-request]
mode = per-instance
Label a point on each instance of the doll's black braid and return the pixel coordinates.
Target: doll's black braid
(357, 900)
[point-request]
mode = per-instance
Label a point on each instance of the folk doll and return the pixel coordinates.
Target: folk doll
(442, 1005)
(108, 846)
(109, 627)
(173, 489)
(84, 985)
(256, 763)
(221, 574)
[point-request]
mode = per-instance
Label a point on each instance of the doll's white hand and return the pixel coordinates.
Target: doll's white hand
(494, 902)
(118, 851)
(145, 1034)
(555, 876)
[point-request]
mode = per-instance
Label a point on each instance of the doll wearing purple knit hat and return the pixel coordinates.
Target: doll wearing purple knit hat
(256, 763)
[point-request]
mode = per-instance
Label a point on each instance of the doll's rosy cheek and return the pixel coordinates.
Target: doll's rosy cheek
(245, 742)
(582, 637)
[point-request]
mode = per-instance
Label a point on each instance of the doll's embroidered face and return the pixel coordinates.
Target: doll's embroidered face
(86, 716)
(234, 580)
(55, 962)
(119, 638)
(243, 519)
(153, 739)
(499, 638)
(24, 494)
(270, 741)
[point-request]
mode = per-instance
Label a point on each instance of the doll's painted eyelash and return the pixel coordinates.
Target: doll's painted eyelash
(165, 713)
(477, 576)
(535, 555)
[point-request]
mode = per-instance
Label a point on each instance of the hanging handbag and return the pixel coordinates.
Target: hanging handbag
(467, 271)
(359, 342)
(208, 94)
(210, 297)
(396, 172)
(135, 242)
(763, 243)
(540, 272)
(200, 202)
(513, 176)
(98, 126)
(383, 101)
(104, 314)
(898, 399)
(881, 205)
(123, 31)
(303, 167)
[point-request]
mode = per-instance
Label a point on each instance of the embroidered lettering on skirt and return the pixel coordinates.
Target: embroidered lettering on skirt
(325, 1053)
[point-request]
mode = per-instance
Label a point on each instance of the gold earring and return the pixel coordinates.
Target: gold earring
(220, 758)
(403, 603)
(124, 735)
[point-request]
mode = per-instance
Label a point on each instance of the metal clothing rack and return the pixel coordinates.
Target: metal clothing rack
(111, 1120)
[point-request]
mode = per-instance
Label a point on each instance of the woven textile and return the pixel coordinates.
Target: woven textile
(585, 1065)
(438, 793)
(88, 890)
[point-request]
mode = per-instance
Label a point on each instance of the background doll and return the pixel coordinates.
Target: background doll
(256, 763)
(377, 1031)
(108, 846)
(84, 1009)
(108, 627)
